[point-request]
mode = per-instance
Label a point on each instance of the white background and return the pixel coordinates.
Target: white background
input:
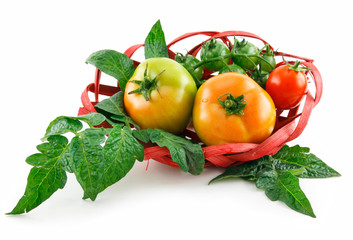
(43, 47)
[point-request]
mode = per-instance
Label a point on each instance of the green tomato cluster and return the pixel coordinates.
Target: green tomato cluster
(243, 57)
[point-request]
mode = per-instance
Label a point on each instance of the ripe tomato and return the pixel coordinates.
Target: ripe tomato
(287, 85)
(232, 107)
(160, 94)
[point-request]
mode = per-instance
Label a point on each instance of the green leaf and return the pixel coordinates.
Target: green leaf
(284, 187)
(92, 119)
(56, 147)
(278, 175)
(87, 160)
(297, 157)
(278, 185)
(37, 159)
(113, 63)
(155, 44)
(297, 171)
(65, 124)
(47, 175)
(248, 170)
(142, 135)
(188, 155)
(120, 152)
(113, 107)
(41, 184)
(50, 150)
(62, 125)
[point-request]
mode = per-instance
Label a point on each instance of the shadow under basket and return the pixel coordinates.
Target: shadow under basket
(289, 124)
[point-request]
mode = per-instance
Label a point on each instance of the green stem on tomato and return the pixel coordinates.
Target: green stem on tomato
(198, 82)
(230, 55)
(220, 58)
(147, 85)
(233, 105)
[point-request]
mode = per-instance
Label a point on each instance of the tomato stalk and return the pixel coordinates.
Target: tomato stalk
(233, 105)
(220, 58)
(198, 82)
(187, 62)
(232, 54)
(248, 58)
(296, 66)
(258, 75)
(267, 58)
(147, 85)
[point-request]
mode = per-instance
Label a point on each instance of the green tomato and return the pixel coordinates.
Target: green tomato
(260, 77)
(267, 62)
(160, 94)
(245, 47)
(268, 66)
(214, 49)
(188, 61)
(232, 68)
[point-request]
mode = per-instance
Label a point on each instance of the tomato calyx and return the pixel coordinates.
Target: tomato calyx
(147, 85)
(210, 44)
(233, 105)
(239, 44)
(296, 66)
(268, 51)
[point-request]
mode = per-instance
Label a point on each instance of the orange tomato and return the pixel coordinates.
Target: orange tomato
(251, 124)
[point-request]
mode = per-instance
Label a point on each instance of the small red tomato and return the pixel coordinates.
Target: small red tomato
(287, 85)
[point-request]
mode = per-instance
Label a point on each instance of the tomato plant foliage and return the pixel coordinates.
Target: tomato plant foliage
(278, 175)
(96, 160)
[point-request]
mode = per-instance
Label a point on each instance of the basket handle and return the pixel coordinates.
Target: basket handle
(97, 89)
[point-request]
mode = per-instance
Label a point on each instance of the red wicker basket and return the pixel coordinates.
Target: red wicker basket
(290, 124)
